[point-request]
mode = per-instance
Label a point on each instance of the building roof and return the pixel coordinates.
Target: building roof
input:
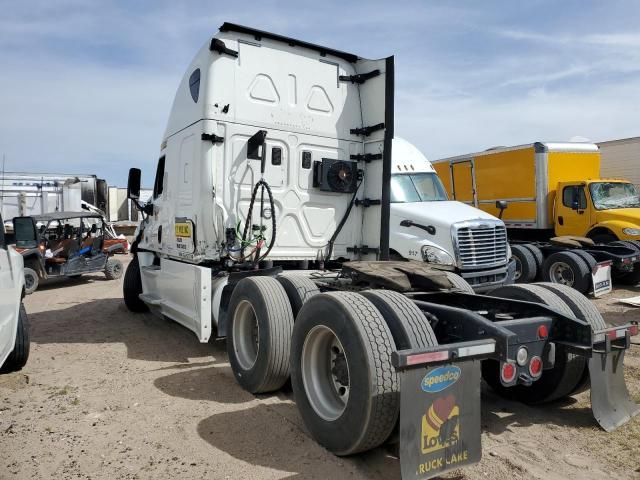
(47, 217)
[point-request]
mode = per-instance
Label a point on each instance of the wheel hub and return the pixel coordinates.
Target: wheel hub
(562, 273)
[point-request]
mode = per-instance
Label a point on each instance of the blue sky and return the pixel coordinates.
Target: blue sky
(86, 87)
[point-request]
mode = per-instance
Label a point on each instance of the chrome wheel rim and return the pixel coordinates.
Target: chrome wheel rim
(561, 272)
(246, 334)
(325, 373)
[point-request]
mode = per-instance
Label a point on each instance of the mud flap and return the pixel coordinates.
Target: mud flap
(610, 401)
(439, 419)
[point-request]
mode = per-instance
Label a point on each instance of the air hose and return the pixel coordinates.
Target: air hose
(263, 185)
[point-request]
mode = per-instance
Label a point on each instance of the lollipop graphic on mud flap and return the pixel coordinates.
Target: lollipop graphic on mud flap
(440, 426)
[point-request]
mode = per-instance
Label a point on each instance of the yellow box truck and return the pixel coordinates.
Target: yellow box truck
(550, 190)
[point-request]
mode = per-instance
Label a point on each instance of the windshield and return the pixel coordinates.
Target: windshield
(607, 195)
(416, 187)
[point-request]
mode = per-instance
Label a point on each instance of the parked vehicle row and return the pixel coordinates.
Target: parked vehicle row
(277, 157)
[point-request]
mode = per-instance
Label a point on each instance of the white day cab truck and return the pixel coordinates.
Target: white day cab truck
(14, 324)
(269, 225)
(426, 226)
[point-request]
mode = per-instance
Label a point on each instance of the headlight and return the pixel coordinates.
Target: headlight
(431, 254)
(635, 232)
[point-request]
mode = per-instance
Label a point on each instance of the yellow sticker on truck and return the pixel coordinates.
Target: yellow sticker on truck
(184, 230)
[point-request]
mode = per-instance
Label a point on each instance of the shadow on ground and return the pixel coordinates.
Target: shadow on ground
(146, 336)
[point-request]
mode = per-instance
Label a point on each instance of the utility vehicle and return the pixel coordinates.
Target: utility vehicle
(14, 324)
(269, 225)
(64, 244)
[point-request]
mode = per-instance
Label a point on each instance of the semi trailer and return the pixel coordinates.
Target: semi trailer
(269, 225)
(426, 226)
(553, 202)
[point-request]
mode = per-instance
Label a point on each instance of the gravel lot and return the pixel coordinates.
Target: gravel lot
(109, 394)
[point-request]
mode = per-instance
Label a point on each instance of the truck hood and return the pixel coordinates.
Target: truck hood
(439, 214)
(630, 215)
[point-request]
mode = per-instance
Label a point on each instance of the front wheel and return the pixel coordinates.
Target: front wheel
(18, 357)
(113, 269)
(132, 288)
(31, 280)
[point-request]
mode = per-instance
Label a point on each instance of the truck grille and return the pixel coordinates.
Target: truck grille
(483, 245)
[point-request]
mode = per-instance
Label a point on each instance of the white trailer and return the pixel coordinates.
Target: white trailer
(621, 159)
(276, 159)
(28, 194)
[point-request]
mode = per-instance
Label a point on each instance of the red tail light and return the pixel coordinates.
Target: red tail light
(535, 367)
(508, 372)
(543, 332)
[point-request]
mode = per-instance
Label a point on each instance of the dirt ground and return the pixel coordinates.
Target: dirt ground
(110, 394)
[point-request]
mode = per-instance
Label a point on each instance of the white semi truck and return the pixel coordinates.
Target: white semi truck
(269, 225)
(426, 226)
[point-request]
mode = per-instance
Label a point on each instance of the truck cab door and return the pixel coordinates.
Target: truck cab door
(572, 213)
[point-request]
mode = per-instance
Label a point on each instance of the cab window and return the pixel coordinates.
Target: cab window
(574, 196)
(158, 184)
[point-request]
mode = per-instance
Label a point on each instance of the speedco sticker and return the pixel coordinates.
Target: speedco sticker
(440, 379)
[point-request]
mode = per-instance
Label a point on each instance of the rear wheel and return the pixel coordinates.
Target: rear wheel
(556, 382)
(409, 327)
(259, 334)
(568, 269)
(298, 289)
(459, 283)
(113, 269)
(345, 387)
(31, 280)
(132, 288)
(526, 267)
(537, 255)
(20, 354)
(583, 309)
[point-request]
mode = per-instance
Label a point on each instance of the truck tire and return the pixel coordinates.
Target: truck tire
(569, 269)
(31, 280)
(113, 269)
(459, 283)
(409, 327)
(583, 309)
(132, 288)
(587, 257)
(555, 383)
(20, 354)
(259, 334)
(346, 390)
(298, 289)
(626, 243)
(526, 267)
(537, 255)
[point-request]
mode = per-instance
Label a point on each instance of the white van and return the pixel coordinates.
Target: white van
(425, 225)
(14, 326)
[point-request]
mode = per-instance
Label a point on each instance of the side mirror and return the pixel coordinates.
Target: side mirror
(26, 233)
(502, 206)
(133, 184)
